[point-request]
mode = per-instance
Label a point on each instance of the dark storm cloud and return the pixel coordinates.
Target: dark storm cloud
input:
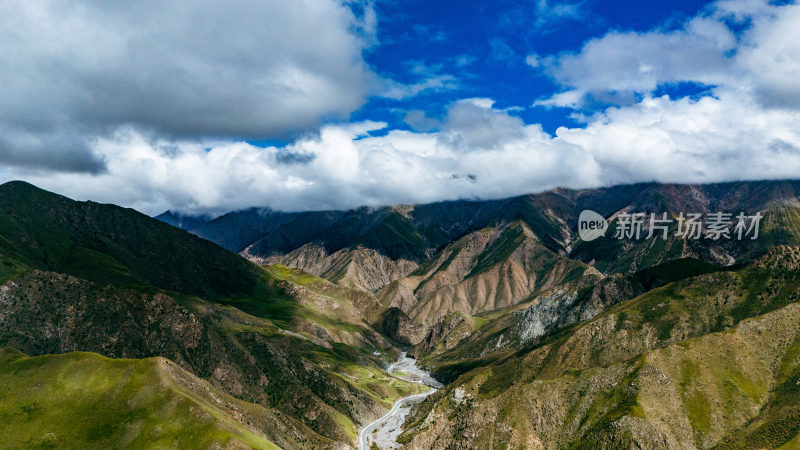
(180, 69)
(48, 150)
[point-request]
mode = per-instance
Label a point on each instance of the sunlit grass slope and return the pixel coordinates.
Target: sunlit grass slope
(84, 400)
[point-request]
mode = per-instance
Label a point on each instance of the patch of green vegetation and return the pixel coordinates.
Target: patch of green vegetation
(655, 253)
(110, 244)
(698, 410)
(268, 301)
(790, 363)
(83, 400)
(92, 264)
(10, 268)
(454, 250)
(622, 317)
(403, 439)
(754, 282)
(607, 252)
(781, 225)
(483, 319)
(281, 272)
(656, 309)
(343, 361)
(737, 382)
(551, 366)
(610, 406)
(395, 236)
(674, 270)
(778, 424)
(449, 371)
(501, 379)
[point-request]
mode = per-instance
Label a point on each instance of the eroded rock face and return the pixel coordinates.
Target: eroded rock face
(446, 334)
(489, 269)
(541, 317)
(398, 326)
(359, 268)
(45, 312)
(568, 306)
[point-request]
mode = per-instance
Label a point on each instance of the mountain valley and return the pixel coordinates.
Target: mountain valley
(543, 340)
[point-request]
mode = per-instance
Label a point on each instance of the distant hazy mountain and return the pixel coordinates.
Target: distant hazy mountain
(185, 221)
(416, 232)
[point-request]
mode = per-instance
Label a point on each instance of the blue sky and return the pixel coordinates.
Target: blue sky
(483, 46)
(318, 104)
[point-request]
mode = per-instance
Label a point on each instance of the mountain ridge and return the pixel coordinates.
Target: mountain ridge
(552, 215)
(109, 243)
(82, 276)
(407, 239)
(496, 298)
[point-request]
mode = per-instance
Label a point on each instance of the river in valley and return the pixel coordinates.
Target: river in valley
(384, 431)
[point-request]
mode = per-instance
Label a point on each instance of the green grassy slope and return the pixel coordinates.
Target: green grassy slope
(110, 244)
(318, 361)
(79, 400)
(90, 277)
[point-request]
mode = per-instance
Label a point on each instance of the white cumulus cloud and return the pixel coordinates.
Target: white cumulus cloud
(728, 137)
(705, 50)
(746, 129)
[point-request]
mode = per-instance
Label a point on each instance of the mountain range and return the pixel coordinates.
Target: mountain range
(159, 332)
(472, 257)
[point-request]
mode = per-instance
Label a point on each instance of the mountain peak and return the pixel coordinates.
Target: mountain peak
(17, 187)
(107, 243)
